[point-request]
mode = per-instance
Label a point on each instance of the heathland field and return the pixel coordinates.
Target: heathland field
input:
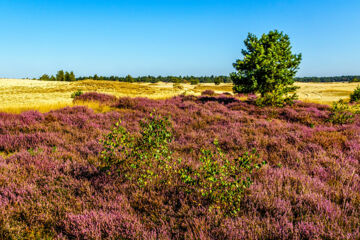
(18, 95)
(187, 167)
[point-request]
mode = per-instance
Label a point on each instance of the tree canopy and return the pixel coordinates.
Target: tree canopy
(268, 67)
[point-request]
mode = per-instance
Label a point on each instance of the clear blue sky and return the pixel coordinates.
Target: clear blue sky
(174, 37)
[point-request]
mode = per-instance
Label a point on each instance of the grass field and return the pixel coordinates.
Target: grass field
(18, 95)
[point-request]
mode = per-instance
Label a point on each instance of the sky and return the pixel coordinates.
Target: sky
(174, 37)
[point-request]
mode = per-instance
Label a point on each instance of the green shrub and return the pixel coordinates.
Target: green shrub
(276, 98)
(142, 160)
(218, 181)
(194, 81)
(355, 96)
(341, 113)
(76, 94)
(147, 163)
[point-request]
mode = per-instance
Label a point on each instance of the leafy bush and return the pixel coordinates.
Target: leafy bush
(147, 162)
(218, 181)
(76, 94)
(341, 113)
(275, 99)
(355, 96)
(141, 160)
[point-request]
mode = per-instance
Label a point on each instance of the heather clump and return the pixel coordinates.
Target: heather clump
(94, 97)
(208, 93)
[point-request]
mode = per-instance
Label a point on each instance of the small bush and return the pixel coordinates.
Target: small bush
(141, 160)
(275, 99)
(208, 93)
(76, 94)
(355, 96)
(218, 181)
(194, 81)
(146, 162)
(341, 113)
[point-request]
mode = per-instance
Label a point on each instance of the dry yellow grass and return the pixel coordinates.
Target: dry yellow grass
(17, 95)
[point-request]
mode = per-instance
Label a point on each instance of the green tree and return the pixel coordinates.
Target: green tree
(129, 78)
(72, 76)
(268, 68)
(60, 76)
(218, 80)
(194, 81)
(44, 77)
(67, 76)
(355, 79)
(52, 78)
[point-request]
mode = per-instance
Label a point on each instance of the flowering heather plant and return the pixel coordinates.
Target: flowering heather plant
(208, 93)
(94, 97)
(309, 188)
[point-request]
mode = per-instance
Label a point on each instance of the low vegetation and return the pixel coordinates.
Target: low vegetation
(185, 171)
(355, 96)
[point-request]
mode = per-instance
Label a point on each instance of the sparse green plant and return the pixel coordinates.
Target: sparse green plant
(219, 181)
(141, 160)
(76, 94)
(355, 96)
(341, 113)
(147, 162)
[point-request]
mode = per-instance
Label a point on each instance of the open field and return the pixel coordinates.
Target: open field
(17, 95)
(53, 184)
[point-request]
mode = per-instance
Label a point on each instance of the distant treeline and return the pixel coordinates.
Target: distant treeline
(329, 79)
(70, 76)
(153, 79)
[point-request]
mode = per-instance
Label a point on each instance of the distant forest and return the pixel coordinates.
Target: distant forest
(153, 79)
(211, 79)
(329, 79)
(69, 76)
